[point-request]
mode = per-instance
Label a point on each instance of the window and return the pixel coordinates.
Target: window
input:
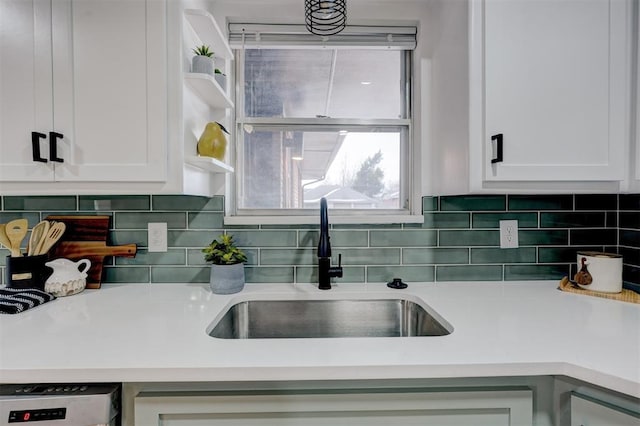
(320, 118)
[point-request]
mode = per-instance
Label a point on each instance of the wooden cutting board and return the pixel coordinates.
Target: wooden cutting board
(85, 237)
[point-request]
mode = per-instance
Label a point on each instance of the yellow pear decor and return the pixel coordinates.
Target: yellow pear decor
(213, 143)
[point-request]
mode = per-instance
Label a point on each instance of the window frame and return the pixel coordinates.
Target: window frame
(408, 211)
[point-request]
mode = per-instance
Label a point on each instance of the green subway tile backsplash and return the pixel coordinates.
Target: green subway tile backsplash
(434, 256)
(339, 238)
(473, 202)
(119, 202)
(62, 202)
(126, 274)
(141, 220)
(269, 274)
(144, 257)
(629, 220)
(544, 237)
(468, 238)
(497, 255)
(31, 217)
(629, 202)
(187, 203)
(593, 236)
(412, 238)
(540, 202)
(563, 254)
(457, 241)
(469, 273)
(429, 204)
(368, 256)
(492, 220)
(407, 273)
(205, 220)
(596, 201)
(572, 220)
(288, 257)
(165, 274)
(535, 272)
(446, 220)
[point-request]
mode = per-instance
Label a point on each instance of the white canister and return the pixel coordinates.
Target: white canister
(605, 270)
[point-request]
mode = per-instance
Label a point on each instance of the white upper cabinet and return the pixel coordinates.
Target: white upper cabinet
(550, 82)
(94, 72)
(26, 95)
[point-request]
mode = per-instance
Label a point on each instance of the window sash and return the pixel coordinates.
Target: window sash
(239, 40)
(404, 129)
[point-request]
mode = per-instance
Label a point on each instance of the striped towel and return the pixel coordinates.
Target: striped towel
(16, 300)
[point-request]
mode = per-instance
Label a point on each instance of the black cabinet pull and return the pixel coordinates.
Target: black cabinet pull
(53, 146)
(35, 146)
(498, 139)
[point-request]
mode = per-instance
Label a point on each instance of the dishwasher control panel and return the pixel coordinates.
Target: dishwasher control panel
(24, 416)
(60, 404)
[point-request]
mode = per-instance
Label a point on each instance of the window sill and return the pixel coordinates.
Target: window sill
(315, 220)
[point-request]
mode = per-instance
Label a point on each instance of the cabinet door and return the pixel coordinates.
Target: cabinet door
(25, 88)
(451, 408)
(556, 89)
(586, 411)
(110, 86)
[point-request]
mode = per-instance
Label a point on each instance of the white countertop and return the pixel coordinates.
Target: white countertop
(156, 333)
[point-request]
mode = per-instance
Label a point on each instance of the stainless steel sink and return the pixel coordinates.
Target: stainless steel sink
(273, 319)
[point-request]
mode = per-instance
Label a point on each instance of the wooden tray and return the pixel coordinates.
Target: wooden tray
(625, 296)
(85, 237)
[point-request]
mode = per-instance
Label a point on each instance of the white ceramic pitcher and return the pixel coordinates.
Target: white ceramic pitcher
(68, 277)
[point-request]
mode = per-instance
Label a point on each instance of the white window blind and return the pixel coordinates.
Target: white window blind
(291, 36)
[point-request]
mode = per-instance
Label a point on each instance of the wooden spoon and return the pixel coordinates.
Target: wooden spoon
(16, 230)
(4, 240)
(55, 232)
(37, 234)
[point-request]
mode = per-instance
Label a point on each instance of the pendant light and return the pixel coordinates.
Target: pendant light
(325, 17)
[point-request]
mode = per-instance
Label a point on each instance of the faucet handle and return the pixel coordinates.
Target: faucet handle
(336, 271)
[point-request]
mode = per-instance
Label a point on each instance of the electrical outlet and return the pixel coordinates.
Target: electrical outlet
(157, 237)
(508, 234)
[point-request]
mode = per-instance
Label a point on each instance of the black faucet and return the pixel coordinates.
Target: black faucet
(325, 271)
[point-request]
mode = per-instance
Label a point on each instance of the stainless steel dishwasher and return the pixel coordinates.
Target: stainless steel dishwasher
(80, 404)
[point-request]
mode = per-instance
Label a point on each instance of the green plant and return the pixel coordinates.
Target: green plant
(203, 51)
(224, 252)
(217, 71)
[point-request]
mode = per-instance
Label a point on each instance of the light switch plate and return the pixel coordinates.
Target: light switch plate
(508, 234)
(157, 237)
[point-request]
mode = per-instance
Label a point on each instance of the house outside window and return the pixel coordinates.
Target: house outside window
(322, 118)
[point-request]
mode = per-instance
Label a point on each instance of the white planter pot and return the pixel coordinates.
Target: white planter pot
(202, 64)
(221, 79)
(227, 279)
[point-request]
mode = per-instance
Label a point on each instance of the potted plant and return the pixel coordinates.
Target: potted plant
(227, 265)
(203, 61)
(221, 78)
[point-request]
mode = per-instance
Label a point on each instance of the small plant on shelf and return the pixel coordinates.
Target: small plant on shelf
(203, 51)
(203, 61)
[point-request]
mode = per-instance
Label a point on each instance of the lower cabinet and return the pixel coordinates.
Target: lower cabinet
(587, 411)
(442, 407)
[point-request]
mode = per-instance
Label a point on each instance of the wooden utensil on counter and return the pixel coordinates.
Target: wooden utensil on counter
(55, 233)
(16, 230)
(38, 233)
